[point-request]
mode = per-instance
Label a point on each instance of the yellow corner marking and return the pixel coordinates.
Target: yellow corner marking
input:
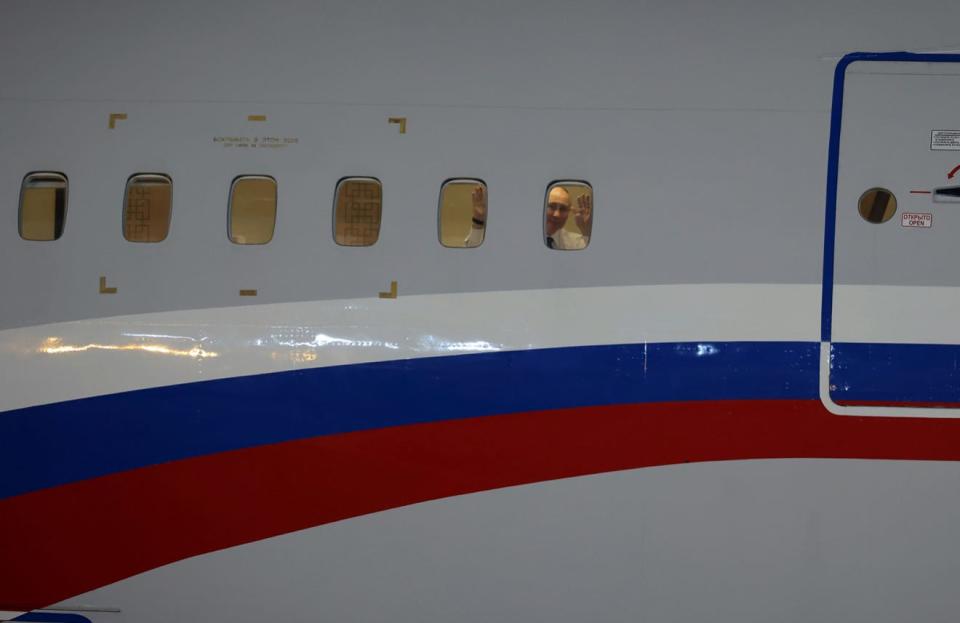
(392, 294)
(248, 292)
(103, 287)
(114, 117)
(256, 117)
(399, 120)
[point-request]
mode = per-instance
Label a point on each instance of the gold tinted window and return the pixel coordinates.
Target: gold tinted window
(568, 215)
(253, 209)
(43, 206)
(356, 219)
(877, 205)
(463, 213)
(147, 206)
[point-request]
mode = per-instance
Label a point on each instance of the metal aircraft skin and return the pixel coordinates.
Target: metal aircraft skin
(687, 350)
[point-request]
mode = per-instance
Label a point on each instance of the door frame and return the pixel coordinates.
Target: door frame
(829, 237)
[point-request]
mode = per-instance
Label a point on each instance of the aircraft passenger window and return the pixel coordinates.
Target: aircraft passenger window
(356, 219)
(463, 213)
(877, 205)
(43, 206)
(253, 209)
(147, 206)
(568, 215)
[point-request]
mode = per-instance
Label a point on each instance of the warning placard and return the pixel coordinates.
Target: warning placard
(916, 219)
(945, 140)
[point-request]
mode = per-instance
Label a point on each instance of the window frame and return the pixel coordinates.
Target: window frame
(336, 200)
(546, 198)
(461, 180)
(126, 206)
(276, 207)
(66, 200)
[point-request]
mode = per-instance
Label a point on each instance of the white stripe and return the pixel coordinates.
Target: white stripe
(9, 615)
(62, 361)
(896, 314)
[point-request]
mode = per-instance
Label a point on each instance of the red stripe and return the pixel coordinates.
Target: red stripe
(59, 542)
(913, 404)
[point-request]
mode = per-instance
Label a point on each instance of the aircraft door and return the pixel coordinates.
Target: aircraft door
(891, 316)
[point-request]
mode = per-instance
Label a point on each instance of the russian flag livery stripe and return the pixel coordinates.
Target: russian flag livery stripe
(96, 436)
(99, 489)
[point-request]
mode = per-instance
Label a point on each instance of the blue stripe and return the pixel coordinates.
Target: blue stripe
(895, 373)
(52, 617)
(833, 165)
(55, 444)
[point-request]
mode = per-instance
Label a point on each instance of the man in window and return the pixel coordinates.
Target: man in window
(557, 213)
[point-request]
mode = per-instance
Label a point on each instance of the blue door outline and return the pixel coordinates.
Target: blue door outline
(943, 352)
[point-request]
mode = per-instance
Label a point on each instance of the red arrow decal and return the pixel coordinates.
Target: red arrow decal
(953, 172)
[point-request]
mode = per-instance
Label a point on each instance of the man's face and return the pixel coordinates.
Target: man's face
(558, 209)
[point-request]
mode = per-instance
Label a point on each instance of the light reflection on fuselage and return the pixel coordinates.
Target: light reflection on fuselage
(55, 346)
